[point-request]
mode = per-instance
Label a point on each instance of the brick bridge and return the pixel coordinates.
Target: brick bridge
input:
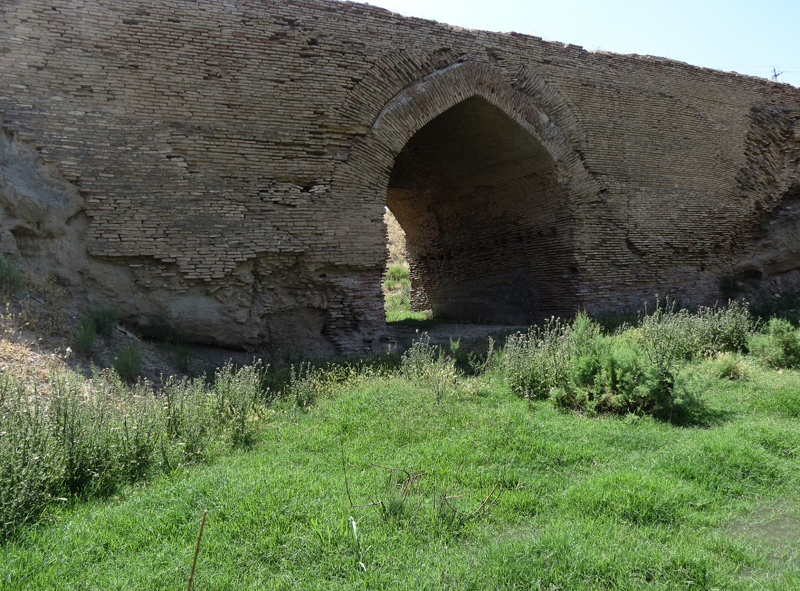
(227, 163)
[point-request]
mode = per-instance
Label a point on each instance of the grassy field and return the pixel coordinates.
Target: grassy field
(585, 454)
(430, 477)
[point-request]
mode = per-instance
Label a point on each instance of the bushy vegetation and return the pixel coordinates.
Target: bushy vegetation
(779, 346)
(129, 361)
(84, 338)
(103, 318)
(71, 438)
(578, 365)
(397, 294)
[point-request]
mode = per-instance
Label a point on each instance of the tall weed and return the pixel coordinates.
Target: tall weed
(129, 361)
(10, 276)
(84, 337)
(103, 317)
(429, 365)
(535, 362)
(70, 438)
(235, 394)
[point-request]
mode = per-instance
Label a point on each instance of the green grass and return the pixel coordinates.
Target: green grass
(621, 502)
(397, 294)
(103, 318)
(414, 473)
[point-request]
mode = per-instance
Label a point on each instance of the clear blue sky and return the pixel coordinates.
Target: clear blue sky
(747, 36)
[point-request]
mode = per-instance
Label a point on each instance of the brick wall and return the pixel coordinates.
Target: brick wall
(233, 160)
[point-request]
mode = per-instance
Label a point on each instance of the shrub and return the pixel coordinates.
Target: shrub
(780, 346)
(103, 318)
(668, 339)
(729, 366)
(84, 337)
(129, 361)
(306, 383)
(235, 393)
(10, 275)
(69, 437)
(396, 274)
(187, 418)
(397, 303)
(637, 370)
(728, 328)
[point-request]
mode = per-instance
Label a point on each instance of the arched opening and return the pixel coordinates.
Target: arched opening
(483, 211)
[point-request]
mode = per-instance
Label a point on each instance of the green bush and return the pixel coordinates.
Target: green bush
(10, 275)
(729, 366)
(632, 370)
(103, 318)
(726, 329)
(187, 418)
(396, 274)
(780, 346)
(84, 337)
(397, 302)
(84, 438)
(429, 366)
(129, 361)
(235, 394)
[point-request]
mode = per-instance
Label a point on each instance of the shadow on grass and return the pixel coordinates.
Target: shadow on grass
(697, 415)
(418, 323)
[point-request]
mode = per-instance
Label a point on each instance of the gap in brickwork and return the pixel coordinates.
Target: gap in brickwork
(397, 277)
(478, 198)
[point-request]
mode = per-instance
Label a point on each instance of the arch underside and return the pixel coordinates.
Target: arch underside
(480, 202)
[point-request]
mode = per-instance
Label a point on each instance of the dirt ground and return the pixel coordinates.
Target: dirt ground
(34, 340)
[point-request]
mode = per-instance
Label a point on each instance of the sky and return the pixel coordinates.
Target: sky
(754, 37)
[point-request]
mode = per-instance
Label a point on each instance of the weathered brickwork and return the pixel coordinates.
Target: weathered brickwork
(227, 162)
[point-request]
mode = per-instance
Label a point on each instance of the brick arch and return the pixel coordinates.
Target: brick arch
(479, 92)
(388, 76)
